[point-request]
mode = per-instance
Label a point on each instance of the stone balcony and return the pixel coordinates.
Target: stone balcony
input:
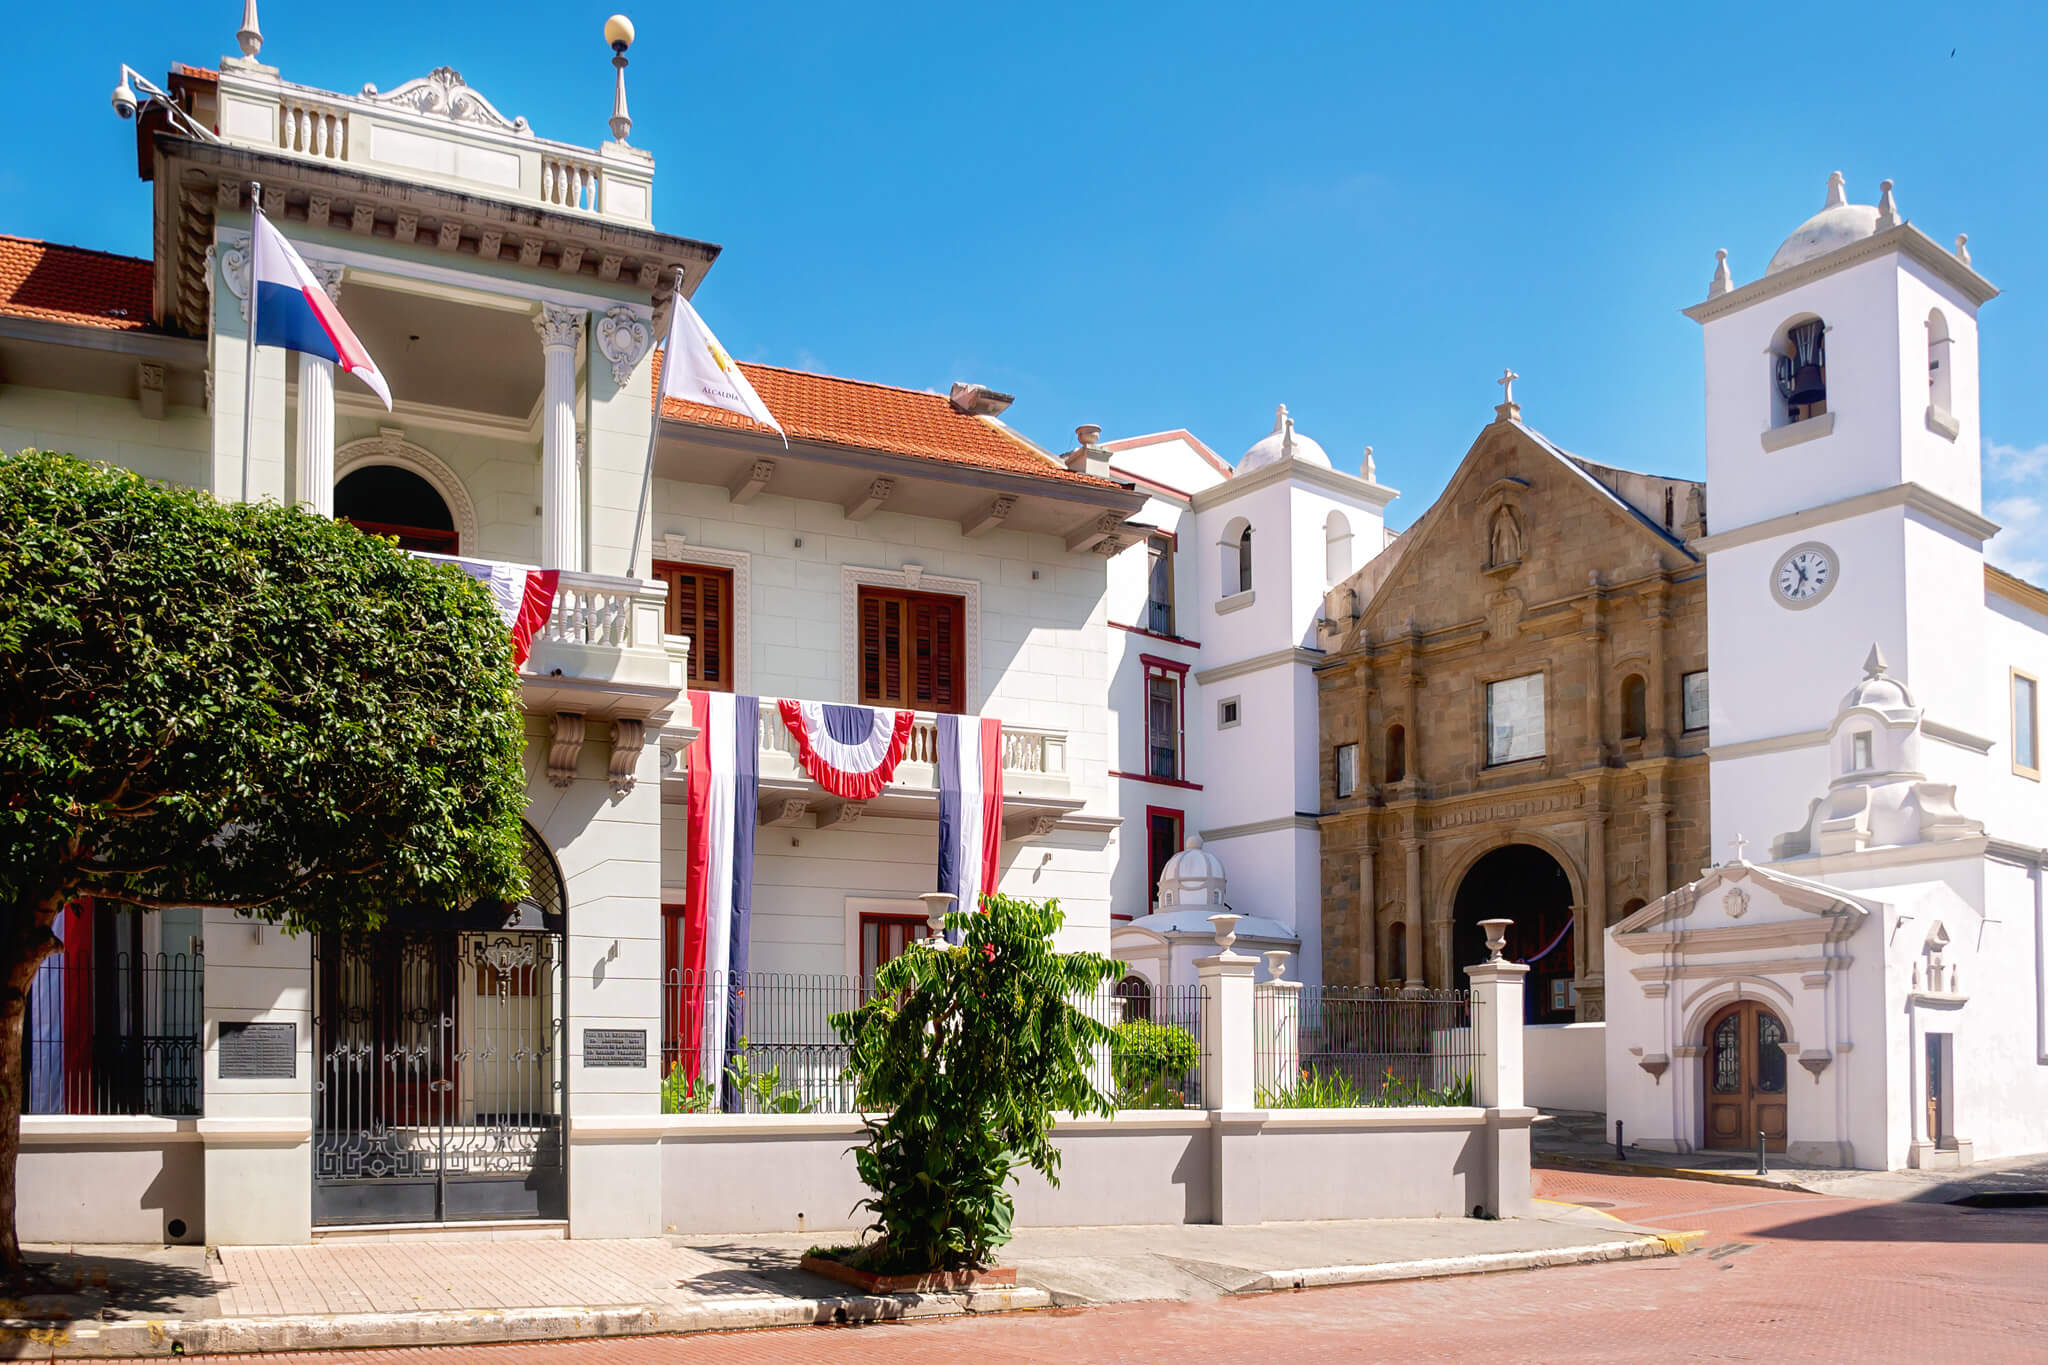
(437, 129)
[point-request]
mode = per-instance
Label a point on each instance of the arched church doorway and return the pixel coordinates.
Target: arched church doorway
(1522, 883)
(388, 501)
(1745, 1077)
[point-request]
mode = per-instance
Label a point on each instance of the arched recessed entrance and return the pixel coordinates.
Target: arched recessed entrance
(1522, 883)
(388, 501)
(1745, 1077)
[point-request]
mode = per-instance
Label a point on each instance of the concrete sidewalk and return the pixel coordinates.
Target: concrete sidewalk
(415, 1291)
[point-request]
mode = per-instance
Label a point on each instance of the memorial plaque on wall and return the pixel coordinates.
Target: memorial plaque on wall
(615, 1047)
(259, 1051)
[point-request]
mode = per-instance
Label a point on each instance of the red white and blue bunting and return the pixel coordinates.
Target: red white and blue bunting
(525, 598)
(850, 751)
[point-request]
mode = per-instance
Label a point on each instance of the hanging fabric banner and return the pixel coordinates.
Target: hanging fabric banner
(525, 597)
(850, 751)
(970, 807)
(718, 893)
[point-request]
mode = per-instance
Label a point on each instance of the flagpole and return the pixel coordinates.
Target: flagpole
(249, 376)
(653, 435)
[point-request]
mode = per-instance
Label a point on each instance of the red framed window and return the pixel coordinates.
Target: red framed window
(1164, 836)
(1165, 721)
(884, 936)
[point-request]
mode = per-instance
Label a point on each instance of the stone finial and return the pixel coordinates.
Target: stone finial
(618, 35)
(1963, 247)
(1276, 962)
(1088, 434)
(1226, 930)
(1722, 281)
(1284, 424)
(1887, 210)
(1873, 663)
(250, 35)
(1838, 193)
(1366, 469)
(1496, 937)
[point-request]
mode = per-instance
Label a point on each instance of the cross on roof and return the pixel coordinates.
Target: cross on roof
(1738, 843)
(1507, 384)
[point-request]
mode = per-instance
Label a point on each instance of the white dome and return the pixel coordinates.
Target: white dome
(1284, 443)
(1837, 224)
(1878, 690)
(1193, 876)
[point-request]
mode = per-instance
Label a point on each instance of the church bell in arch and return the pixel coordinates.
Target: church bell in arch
(1802, 375)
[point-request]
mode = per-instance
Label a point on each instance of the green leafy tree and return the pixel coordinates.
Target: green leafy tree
(969, 1049)
(234, 706)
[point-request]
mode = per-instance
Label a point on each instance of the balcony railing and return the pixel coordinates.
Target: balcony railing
(1034, 761)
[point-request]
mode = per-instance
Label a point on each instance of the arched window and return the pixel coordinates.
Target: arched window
(1939, 363)
(386, 500)
(1397, 754)
(1635, 707)
(1801, 371)
(1136, 994)
(1631, 905)
(1336, 549)
(1235, 569)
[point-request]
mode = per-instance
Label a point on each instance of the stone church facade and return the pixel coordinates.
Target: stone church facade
(1514, 713)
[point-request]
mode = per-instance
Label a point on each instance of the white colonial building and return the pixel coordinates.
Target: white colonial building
(1214, 610)
(1866, 982)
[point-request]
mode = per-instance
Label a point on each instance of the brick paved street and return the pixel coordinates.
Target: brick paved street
(1779, 1276)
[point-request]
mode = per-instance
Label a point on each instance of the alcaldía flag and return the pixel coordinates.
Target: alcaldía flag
(696, 369)
(970, 807)
(718, 883)
(292, 311)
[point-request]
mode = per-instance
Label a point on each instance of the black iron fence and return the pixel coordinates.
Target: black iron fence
(1363, 1046)
(756, 1042)
(115, 1034)
(1155, 1061)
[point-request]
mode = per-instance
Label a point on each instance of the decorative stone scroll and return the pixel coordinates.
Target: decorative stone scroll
(622, 336)
(442, 93)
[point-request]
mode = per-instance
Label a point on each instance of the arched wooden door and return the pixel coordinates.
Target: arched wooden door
(1745, 1077)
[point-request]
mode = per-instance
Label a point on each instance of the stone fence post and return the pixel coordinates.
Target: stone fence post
(1497, 1074)
(1228, 1041)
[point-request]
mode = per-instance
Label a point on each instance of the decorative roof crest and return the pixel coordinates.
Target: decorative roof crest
(442, 92)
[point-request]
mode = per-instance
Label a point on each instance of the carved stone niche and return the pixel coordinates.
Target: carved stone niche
(1505, 539)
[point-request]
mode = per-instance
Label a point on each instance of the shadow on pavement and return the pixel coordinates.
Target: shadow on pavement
(1913, 1222)
(173, 1282)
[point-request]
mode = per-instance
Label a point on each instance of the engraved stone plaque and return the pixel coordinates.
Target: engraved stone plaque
(615, 1047)
(259, 1051)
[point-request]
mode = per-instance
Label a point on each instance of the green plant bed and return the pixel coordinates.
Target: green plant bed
(761, 1092)
(1150, 1064)
(858, 1266)
(1317, 1089)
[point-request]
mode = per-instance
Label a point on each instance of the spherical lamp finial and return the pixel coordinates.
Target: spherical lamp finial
(618, 32)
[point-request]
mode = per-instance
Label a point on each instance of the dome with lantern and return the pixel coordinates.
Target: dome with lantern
(1838, 223)
(1879, 691)
(1282, 443)
(1192, 877)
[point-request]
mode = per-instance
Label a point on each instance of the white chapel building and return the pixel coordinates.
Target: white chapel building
(1865, 982)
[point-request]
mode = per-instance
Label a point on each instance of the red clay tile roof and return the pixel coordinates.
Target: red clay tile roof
(72, 284)
(854, 412)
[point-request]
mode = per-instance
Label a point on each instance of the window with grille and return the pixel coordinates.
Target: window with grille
(700, 606)
(913, 650)
(1162, 724)
(1159, 584)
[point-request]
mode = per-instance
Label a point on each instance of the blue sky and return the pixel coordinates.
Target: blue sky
(1182, 215)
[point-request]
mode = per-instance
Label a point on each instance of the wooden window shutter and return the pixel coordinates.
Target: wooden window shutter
(700, 605)
(912, 650)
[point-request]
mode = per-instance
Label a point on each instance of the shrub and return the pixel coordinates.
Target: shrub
(1150, 1064)
(969, 1049)
(758, 1092)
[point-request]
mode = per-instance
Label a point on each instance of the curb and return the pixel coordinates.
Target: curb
(1628, 1249)
(1587, 1163)
(361, 1331)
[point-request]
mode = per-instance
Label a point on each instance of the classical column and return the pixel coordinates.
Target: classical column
(1411, 730)
(1411, 889)
(1593, 952)
(561, 335)
(1595, 635)
(1659, 811)
(1368, 915)
(316, 413)
(1658, 740)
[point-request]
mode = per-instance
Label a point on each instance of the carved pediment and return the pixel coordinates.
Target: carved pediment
(442, 93)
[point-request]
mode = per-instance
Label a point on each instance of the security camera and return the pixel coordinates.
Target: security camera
(124, 98)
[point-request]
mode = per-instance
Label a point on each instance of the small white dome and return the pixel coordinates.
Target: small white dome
(1878, 690)
(1193, 876)
(1837, 224)
(1284, 443)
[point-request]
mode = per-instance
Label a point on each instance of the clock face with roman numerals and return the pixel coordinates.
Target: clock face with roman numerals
(1804, 575)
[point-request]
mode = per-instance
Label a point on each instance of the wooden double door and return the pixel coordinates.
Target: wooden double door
(1745, 1077)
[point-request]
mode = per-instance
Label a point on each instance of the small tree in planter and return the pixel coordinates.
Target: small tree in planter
(969, 1049)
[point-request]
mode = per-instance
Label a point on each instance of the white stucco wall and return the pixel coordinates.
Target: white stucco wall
(1564, 1066)
(93, 427)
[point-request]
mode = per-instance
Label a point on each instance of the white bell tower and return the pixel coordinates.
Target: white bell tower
(1844, 494)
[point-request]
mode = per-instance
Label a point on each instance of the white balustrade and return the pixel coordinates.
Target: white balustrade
(309, 128)
(568, 183)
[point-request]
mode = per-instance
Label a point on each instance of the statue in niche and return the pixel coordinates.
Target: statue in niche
(1504, 538)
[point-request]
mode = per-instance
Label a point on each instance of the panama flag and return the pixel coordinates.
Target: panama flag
(696, 369)
(850, 751)
(718, 879)
(292, 311)
(970, 807)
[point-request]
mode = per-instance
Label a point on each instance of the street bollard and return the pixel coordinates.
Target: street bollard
(1620, 1147)
(1763, 1165)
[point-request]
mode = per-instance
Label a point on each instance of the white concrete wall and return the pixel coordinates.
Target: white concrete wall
(113, 430)
(117, 1180)
(1564, 1066)
(258, 1133)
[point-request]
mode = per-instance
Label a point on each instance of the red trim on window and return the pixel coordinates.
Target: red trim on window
(1155, 635)
(1170, 665)
(1157, 781)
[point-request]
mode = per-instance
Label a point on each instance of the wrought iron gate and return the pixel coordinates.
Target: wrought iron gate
(438, 1095)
